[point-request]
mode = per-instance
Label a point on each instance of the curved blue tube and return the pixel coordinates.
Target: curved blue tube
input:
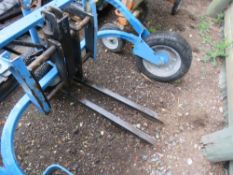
(3, 171)
(141, 48)
(118, 34)
(7, 139)
(114, 33)
(55, 167)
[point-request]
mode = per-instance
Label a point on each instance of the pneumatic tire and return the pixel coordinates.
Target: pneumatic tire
(179, 52)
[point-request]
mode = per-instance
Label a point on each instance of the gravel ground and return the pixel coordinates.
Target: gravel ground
(88, 144)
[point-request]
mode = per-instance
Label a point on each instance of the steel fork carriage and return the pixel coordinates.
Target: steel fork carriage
(62, 53)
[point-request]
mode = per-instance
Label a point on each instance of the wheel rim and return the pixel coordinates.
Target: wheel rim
(164, 70)
(111, 43)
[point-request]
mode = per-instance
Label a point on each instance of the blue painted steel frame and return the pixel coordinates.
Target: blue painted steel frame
(7, 35)
(27, 82)
(7, 139)
(141, 48)
(28, 22)
(136, 24)
(26, 10)
(33, 33)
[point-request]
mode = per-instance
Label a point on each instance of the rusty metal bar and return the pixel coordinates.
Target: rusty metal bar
(55, 90)
(118, 121)
(28, 44)
(81, 24)
(12, 50)
(143, 110)
(42, 58)
(86, 57)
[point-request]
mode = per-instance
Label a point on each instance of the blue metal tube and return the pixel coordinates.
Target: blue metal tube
(136, 24)
(3, 171)
(84, 3)
(33, 33)
(52, 168)
(95, 15)
(140, 49)
(7, 139)
(113, 33)
(118, 34)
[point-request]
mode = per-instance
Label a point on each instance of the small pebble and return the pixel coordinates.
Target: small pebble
(155, 158)
(189, 161)
(179, 114)
(138, 125)
(81, 124)
(221, 109)
(20, 125)
(144, 157)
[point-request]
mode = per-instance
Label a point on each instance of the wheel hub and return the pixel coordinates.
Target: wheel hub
(111, 42)
(166, 68)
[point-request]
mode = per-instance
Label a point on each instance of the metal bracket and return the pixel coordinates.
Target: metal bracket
(90, 29)
(28, 83)
(142, 49)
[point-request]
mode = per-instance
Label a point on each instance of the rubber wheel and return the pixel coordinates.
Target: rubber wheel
(115, 45)
(176, 7)
(180, 57)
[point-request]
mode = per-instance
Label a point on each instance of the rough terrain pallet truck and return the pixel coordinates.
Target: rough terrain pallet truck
(161, 56)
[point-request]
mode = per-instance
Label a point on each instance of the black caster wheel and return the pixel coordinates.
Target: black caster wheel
(111, 43)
